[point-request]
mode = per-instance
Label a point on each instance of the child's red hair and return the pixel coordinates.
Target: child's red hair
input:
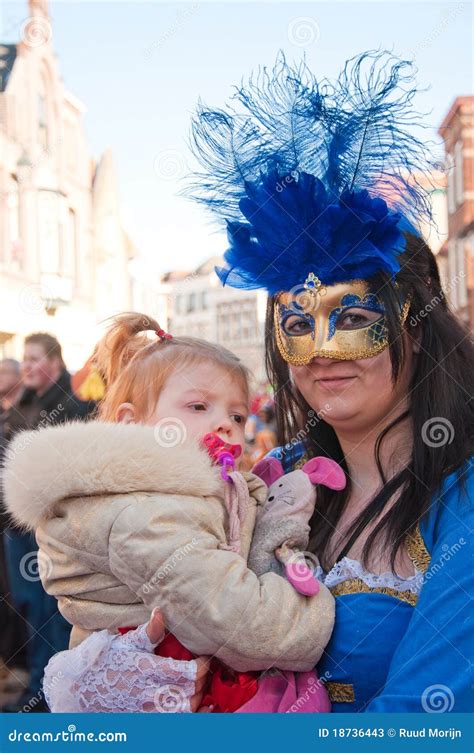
(136, 367)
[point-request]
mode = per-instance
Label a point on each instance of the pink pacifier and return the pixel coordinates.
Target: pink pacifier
(222, 453)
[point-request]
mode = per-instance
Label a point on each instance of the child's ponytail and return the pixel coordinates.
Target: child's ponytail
(124, 338)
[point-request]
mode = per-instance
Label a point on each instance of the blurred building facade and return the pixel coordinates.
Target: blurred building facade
(199, 306)
(63, 252)
(457, 130)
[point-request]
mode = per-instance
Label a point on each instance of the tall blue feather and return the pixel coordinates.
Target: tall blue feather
(314, 176)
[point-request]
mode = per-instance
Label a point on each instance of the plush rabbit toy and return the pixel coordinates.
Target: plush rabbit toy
(282, 528)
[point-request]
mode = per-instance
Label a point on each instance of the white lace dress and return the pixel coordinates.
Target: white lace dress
(348, 569)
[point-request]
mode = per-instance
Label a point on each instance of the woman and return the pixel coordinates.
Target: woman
(316, 183)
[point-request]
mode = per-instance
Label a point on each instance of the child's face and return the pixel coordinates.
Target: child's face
(204, 399)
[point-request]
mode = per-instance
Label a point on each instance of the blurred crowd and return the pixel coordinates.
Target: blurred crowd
(35, 393)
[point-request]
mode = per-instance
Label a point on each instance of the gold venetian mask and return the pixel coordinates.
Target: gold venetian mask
(344, 321)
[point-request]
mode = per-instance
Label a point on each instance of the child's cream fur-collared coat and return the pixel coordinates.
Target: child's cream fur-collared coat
(125, 524)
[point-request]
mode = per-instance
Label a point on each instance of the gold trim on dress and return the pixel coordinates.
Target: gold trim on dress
(357, 586)
(417, 550)
(300, 463)
(340, 692)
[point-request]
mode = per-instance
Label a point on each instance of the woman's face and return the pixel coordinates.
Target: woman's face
(354, 394)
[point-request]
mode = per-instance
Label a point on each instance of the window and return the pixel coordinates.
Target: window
(452, 263)
(451, 198)
(42, 123)
(192, 302)
(49, 233)
(461, 273)
(14, 222)
(71, 144)
(72, 256)
(458, 173)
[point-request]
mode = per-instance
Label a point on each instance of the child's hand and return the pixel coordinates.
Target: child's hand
(284, 552)
(155, 629)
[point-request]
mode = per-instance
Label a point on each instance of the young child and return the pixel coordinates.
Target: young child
(131, 513)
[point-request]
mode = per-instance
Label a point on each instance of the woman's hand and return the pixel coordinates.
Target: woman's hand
(155, 631)
(120, 673)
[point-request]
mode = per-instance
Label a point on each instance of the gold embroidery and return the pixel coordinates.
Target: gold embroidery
(417, 550)
(300, 463)
(340, 692)
(418, 554)
(357, 586)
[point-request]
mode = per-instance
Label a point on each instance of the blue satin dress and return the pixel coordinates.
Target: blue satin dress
(398, 651)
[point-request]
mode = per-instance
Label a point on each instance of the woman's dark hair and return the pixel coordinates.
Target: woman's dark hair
(441, 387)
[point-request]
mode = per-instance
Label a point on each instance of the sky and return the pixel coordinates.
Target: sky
(140, 68)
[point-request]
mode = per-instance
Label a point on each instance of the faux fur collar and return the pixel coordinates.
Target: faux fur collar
(90, 458)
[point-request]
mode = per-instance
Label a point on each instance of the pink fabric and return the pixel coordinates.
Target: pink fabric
(287, 693)
(236, 499)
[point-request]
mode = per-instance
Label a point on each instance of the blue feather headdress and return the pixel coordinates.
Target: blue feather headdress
(314, 176)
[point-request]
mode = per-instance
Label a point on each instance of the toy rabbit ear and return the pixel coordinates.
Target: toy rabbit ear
(269, 470)
(325, 471)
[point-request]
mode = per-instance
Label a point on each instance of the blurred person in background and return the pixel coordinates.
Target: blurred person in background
(13, 634)
(260, 429)
(46, 398)
(265, 437)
